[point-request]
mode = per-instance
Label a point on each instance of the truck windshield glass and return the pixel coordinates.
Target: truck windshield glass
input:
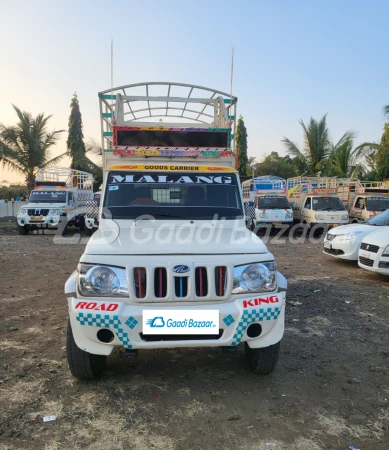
(327, 204)
(380, 220)
(162, 195)
(273, 203)
(47, 197)
(377, 204)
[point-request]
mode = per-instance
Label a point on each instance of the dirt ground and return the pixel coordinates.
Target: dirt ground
(330, 389)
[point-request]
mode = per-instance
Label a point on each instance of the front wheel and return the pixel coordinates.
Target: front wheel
(83, 365)
(23, 230)
(263, 360)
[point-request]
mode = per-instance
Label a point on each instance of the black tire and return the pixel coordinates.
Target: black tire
(82, 365)
(263, 360)
(88, 231)
(23, 229)
(82, 224)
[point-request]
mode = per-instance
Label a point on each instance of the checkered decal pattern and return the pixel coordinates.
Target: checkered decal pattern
(131, 322)
(228, 320)
(249, 210)
(106, 321)
(250, 316)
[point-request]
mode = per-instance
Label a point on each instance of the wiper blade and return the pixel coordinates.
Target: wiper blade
(168, 215)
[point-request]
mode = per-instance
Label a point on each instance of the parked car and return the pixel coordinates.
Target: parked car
(343, 242)
(374, 252)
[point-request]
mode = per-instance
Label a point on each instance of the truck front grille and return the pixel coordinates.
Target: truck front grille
(160, 284)
(181, 286)
(38, 212)
(220, 280)
(140, 282)
(201, 281)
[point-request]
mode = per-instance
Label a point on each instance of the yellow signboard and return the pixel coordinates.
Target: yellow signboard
(181, 168)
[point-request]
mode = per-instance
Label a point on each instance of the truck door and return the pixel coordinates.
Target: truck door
(358, 209)
(307, 210)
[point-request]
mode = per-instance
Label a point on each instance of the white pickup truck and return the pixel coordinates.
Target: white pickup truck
(315, 202)
(58, 201)
(271, 205)
(172, 263)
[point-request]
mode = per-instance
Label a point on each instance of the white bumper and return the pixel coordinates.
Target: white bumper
(342, 249)
(47, 221)
(125, 321)
(374, 262)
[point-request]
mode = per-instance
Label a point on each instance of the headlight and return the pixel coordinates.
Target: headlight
(257, 277)
(54, 212)
(22, 212)
(344, 217)
(103, 281)
(319, 216)
(263, 216)
(348, 236)
(386, 251)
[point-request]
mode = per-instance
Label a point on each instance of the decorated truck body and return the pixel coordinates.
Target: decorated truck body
(172, 263)
(269, 196)
(58, 199)
(315, 202)
(363, 199)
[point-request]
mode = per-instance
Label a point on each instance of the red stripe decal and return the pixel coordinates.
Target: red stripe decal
(140, 283)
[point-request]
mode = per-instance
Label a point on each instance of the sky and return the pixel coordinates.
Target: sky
(293, 60)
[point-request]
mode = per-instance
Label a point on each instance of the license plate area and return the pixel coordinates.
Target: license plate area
(364, 254)
(180, 322)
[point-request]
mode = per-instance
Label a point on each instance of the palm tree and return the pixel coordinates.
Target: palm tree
(343, 161)
(25, 146)
(385, 110)
(316, 146)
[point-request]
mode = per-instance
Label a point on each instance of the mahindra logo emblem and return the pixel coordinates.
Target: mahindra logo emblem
(181, 269)
(367, 247)
(37, 212)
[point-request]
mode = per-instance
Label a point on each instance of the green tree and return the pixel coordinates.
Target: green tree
(379, 152)
(75, 142)
(25, 147)
(241, 146)
(317, 146)
(276, 165)
(386, 110)
(77, 150)
(344, 161)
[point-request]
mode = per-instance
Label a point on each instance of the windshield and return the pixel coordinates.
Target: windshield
(377, 204)
(47, 197)
(380, 220)
(327, 204)
(273, 203)
(179, 196)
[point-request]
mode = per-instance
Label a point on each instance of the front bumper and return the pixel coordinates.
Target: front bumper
(45, 222)
(374, 262)
(126, 323)
(342, 249)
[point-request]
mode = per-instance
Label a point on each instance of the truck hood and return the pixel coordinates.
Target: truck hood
(45, 205)
(352, 228)
(379, 237)
(181, 237)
